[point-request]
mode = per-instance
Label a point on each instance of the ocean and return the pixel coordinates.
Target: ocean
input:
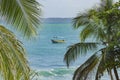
(45, 57)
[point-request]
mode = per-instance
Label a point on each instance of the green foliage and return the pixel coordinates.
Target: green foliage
(24, 16)
(101, 23)
(13, 63)
(85, 69)
(78, 49)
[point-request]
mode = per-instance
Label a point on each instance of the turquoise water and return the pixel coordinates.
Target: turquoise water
(46, 58)
(43, 53)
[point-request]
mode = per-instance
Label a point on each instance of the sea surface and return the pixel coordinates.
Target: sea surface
(46, 58)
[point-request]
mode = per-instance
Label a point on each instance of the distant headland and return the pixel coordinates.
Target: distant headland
(56, 20)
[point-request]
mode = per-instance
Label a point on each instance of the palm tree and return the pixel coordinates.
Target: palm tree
(24, 16)
(101, 23)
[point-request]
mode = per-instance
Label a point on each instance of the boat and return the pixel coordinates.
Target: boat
(57, 41)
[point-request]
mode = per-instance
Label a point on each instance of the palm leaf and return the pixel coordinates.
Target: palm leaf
(93, 29)
(13, 63)
(101, 67)
(80, 20)
(78, 49)
(83, 72)
(106, 4)
(92, 25)
(109, 60)
(87, 32)
(34, 75)
(84, 19)
(24, 15)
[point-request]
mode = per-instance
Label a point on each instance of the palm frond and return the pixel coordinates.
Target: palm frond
(13, 63)
(93, 30)
(106, 4)
(84, 19)
(83, 72)
(34, 75)
(109, 59)
(24, 15)
(101, 34)
(78, 49)
(87, 32)
(101, 67)
(92, 25)
(80, 20)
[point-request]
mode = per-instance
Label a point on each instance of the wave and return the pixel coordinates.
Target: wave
(59, 74)
(54, 74)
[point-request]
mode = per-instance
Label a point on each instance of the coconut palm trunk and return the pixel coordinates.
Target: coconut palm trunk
(111, 76)
(116, 73)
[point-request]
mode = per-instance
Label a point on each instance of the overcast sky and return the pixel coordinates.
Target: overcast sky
(65, 8)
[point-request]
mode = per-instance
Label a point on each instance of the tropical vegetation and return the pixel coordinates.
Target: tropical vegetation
(102, 24)
(23, 16)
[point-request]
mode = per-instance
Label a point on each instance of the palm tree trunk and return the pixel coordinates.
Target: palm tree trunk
(111, 76)
(116, 73)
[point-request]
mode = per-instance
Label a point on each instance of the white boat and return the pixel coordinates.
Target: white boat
(57, 41)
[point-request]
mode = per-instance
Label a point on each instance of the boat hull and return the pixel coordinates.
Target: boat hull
(58, 41)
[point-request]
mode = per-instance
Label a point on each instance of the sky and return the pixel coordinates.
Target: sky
(65, 8)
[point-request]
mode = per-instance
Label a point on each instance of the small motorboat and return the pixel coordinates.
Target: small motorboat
(57, 41)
